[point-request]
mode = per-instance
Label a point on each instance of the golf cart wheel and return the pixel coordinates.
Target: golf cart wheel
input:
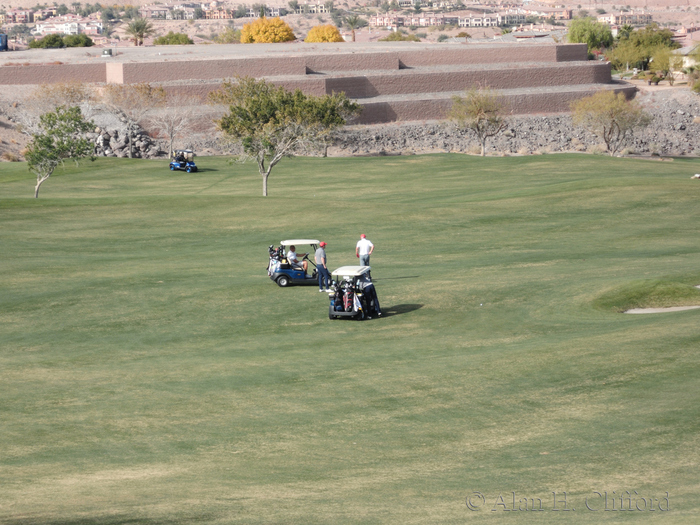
(172, 168)
(189, 170)
(283, 281)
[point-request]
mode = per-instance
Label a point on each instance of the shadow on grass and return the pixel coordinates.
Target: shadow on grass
(395, 278)
(399, 309)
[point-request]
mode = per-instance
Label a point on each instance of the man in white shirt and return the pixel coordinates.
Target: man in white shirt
(364, 249)
(292, 258)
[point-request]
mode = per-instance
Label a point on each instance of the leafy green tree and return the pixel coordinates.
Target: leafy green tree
(173, 39)
(293, 5)
(637, 47)
(139, 29)
(272, 123)
(666, 62)
(610, 117)
(591, 32)
(131, 13)
(81, 40)
(60, 137)
(481, 112)
(49, 41)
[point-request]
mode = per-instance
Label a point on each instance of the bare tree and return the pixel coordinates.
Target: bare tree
(130, 103)
(174, 118)
(481, 112)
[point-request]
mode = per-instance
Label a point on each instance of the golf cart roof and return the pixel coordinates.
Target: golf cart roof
(350, 271)
(299, 241)
(183, 151)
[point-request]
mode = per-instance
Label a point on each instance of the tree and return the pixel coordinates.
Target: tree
(324, 33)
(272, 123)
(641, 44)
(355, 22)
(624, 31)
(130, 103)
(293, 5)
(480, 111)
(59, 138)
(610, 117)
(666, 62)
(625, 55)
(81, 40)
(49, 41)
(229, 36)
(139, 29)
(174, 118)
(265, 31)
(173, 39)
(589, 31)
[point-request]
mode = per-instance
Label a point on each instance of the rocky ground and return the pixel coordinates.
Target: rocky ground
(674, 131)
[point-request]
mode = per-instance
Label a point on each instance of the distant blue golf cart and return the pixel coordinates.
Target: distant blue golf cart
(183, 159)
(285, 274)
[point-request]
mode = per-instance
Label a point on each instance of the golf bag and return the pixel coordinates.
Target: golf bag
(276, 256)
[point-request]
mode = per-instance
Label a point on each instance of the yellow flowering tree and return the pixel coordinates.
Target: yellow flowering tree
(325, 33)
(266, 31)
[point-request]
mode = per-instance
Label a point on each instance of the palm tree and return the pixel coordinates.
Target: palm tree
(625, 31)
(353, 22)
(139, 29)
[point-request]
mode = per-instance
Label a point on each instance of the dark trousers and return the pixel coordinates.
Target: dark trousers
(323, 274)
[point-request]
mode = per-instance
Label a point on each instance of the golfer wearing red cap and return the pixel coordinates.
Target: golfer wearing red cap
(322, 268)
(364, 249)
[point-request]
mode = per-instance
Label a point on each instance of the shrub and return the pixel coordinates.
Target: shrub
(263, 31)
(325, 33)
(10, 157)
(422, 35)
(229, 36)
(173, 39)
(442, 37)
(399, 37)
(463, 34)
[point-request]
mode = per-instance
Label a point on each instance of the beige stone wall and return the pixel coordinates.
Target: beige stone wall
(51, 74)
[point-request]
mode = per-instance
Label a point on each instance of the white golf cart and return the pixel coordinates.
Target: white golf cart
(352, 294)
(283, 272)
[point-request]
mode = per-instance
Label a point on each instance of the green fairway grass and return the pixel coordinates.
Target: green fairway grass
(150, 371)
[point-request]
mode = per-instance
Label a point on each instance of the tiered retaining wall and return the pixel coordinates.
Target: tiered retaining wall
(392, 84)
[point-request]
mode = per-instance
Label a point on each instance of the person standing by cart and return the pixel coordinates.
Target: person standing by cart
(364, 249)
(322, 268)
